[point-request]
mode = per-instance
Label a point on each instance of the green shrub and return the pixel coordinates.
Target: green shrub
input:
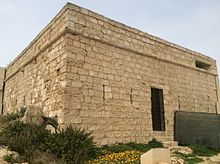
(23, 138)
(15, 115)
(71, 145)
(155, 144)
(140, 147)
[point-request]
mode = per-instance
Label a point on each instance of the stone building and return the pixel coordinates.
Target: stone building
(116, 81)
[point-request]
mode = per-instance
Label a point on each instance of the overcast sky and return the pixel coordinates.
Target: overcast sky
(193, 24)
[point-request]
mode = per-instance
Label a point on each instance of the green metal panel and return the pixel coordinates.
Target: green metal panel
(197, 128)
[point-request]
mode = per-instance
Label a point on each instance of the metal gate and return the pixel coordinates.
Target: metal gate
(197, 128)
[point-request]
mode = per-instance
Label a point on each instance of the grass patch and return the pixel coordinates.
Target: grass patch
(189, 159)
(14, 115)
(121, 147)
(155, 144)
(123, 152)
(199, 150)
(11, 117)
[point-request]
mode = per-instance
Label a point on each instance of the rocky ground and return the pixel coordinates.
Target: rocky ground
(174, 158)
(211, 160)
(185, 150)
(207, 160)
(2, 153)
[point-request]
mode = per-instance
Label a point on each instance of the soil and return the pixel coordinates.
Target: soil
(211, 160)
(2, 153)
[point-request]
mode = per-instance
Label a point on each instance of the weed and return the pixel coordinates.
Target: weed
(199, 150)
(189, 158)
(10, 158)
(155, 144)
(71, 145)
(14, 115)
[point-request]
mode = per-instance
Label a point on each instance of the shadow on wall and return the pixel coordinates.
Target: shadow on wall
(2, 77)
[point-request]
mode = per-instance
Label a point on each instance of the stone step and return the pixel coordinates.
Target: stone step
(181, 149)
(169, 144)
(163, 138)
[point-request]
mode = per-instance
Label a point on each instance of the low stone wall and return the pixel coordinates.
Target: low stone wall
(2, 75)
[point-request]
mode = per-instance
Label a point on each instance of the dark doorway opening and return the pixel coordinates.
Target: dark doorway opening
(157, 109)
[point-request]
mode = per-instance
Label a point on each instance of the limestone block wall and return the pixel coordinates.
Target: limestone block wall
(37, 75)
(112, 68)
(96, 73)
(2, 77)
(92, 25)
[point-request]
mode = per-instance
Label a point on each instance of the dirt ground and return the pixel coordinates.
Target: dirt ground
(174, 159)
(211, 160)
(2, 153)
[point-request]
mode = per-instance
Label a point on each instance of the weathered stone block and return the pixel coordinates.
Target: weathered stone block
(33, 115)
(1, 107)
(108, 89)
(156, 156)
(2, 72)
(2, 77)
(108, 95)
(1, 84)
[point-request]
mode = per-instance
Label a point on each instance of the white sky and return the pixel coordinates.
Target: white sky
(194, 24)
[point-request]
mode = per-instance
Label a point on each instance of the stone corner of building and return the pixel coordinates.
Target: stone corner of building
(2, 72)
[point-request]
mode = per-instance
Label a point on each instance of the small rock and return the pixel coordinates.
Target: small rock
(176, 160)
(4, 151)
(51, 129)
(15, 154)
(182, 149)
(181, 161)
(33, 115)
